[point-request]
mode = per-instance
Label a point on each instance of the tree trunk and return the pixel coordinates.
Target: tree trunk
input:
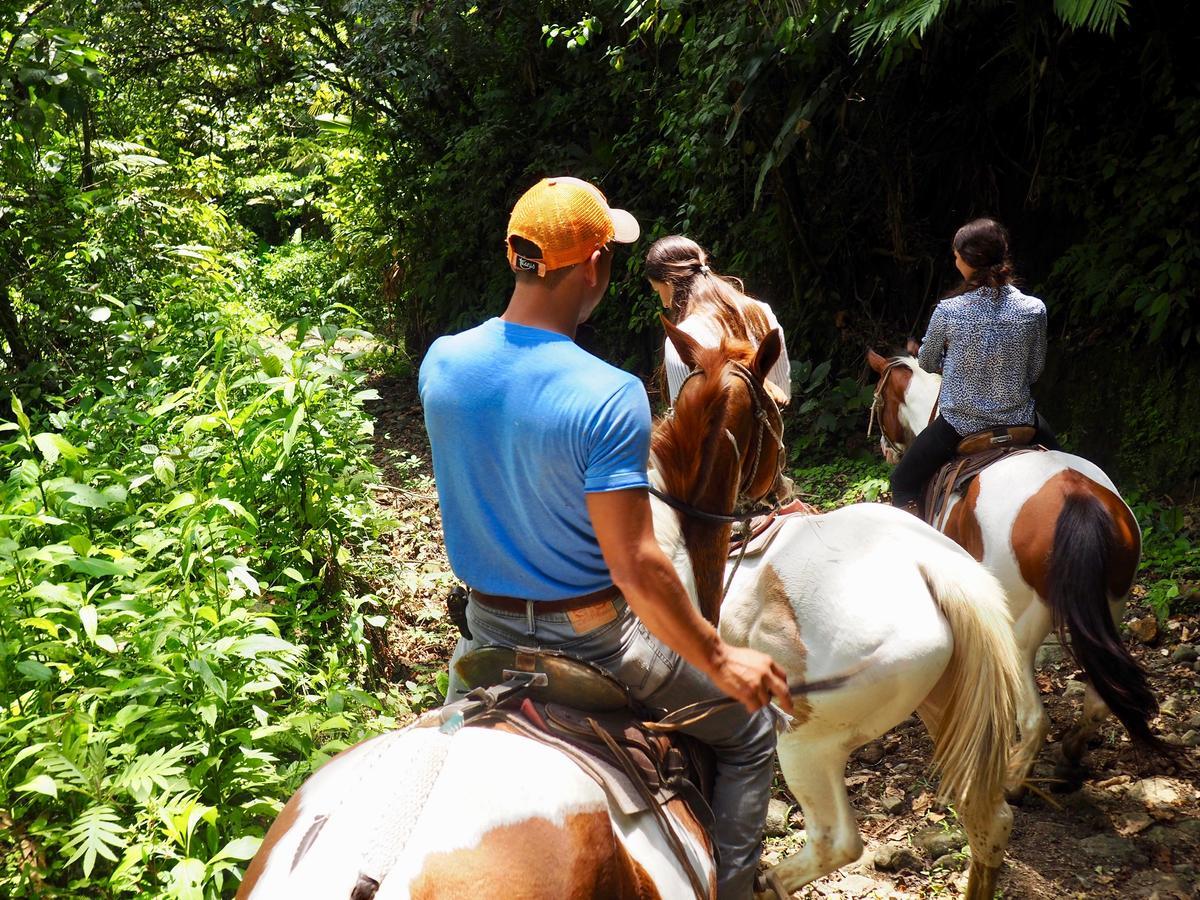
(87, 175)
(19, 353)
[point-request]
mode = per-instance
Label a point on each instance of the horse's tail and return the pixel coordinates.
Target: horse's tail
(1079, 601)
(976, 731)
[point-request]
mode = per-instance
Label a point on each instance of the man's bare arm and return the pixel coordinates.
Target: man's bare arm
(625, 531)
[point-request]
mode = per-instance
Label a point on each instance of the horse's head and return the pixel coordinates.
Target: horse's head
(721, 451)
(905, 398)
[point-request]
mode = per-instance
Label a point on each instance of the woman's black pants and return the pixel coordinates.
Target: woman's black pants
(935, 446)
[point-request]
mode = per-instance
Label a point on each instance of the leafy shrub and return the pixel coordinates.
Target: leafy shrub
(178, 649)
(1170, 551)
(308, 279)
(843, 481)
(827, 412)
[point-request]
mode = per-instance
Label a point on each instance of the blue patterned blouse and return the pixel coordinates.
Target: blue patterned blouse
(990, 346)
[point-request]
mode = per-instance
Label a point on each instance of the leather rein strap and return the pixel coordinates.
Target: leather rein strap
(660, 814)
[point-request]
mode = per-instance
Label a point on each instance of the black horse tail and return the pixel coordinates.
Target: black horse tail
(1079, 602)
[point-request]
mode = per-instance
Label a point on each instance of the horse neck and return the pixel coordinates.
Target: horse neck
(668, 531)
(920, 398)
(697, 550)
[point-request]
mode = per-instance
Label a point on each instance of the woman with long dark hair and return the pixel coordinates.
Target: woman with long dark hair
(989, 342)
(709, 306)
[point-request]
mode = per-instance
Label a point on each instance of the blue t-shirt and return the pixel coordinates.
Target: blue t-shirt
(523, 423)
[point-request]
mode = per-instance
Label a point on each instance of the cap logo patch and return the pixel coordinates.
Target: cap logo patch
(526, 265)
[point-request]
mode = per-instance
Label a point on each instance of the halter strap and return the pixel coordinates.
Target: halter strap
(877, 405)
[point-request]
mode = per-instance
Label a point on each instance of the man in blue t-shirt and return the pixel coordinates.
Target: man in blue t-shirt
(539, 453)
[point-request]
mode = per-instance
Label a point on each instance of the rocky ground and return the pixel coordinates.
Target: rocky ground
(1132, 831)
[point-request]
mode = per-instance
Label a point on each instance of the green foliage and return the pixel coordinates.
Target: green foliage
(180, 650)
(826, 412)
(1170, 551)
(843, 481)
(1143, 234)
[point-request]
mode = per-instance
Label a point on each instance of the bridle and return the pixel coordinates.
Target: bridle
(769, 424)
(877, 405)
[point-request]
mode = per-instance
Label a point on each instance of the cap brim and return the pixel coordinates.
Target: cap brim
(625, 227)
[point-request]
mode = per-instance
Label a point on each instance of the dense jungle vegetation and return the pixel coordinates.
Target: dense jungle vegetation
(220, 220)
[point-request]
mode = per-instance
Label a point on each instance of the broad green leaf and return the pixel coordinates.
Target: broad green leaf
(83, 494)
(179, 501)
(56, 592)
(234, 507)
(99, 314)
(89, 617)
(19, 412)
(55, 445)
(164, 470)
(45, 625)
(40, 784)
(31, 668)
(100, 567)
(239, 848)
(250, 647)
(107, 643)
(187, 880)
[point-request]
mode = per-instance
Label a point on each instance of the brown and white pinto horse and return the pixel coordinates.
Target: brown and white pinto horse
(867, 589)
(1065, 546)
(488, 814)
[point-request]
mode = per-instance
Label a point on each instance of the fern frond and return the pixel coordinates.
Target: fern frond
(886, 21)
(95, 833)
(158, 768)
(1093, 15)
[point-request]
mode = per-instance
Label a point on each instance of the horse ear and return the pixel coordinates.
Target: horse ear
(685, 345)
(767, 354)
(875, 361)
(913, 347)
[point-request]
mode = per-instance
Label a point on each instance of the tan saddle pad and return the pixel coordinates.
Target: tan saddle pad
(763, 529)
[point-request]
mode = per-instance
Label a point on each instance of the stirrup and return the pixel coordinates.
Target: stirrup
(767, 880)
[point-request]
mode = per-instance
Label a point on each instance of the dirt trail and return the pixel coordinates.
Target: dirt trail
(1132, 831)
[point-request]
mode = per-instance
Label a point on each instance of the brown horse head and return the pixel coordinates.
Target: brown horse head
(895, 374)
(720, 448)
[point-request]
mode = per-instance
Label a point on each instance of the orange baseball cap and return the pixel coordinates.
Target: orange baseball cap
(567, 220)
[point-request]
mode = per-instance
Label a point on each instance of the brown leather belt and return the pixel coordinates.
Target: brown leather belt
(541, 607)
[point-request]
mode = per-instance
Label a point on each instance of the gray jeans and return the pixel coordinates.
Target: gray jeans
(743, 742)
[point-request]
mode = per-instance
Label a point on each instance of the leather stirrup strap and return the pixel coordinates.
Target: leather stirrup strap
(660, 815)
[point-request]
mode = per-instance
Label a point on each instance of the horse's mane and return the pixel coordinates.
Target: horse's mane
(682, 443)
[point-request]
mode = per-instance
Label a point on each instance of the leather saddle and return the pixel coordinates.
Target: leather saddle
(580, 709)
(974, 453)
